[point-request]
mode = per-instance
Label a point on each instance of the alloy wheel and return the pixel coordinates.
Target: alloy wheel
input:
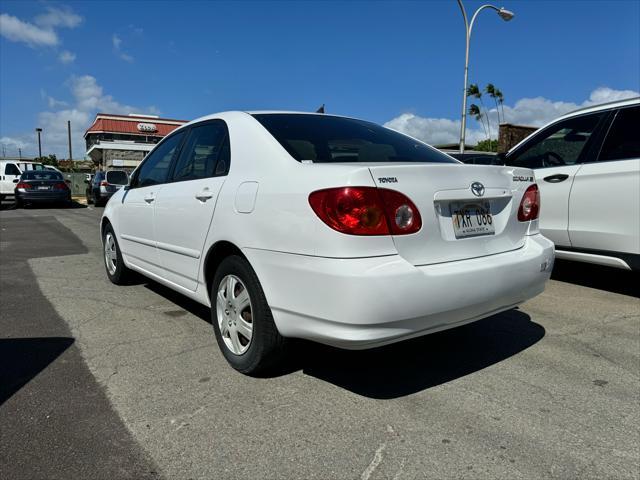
(110, 253)
(234, 314)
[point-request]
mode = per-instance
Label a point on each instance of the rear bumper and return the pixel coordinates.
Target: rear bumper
(368, 302)
(52, 196)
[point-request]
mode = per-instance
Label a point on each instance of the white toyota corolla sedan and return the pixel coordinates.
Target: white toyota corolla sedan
(332, 229)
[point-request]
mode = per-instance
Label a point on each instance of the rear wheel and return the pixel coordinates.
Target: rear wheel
(117, 271)
(242, 319)
(19, 203)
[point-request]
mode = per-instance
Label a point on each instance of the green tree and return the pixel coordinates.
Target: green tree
(50, 160)
(475, 111)
(474, 91)
(500, 98)
(487, 146)
(491, 91)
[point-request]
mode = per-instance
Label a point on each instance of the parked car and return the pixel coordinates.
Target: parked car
(103, 185)
(587, 165)
(10, 172)
(324, 228)
(42, 186)
(475, 158)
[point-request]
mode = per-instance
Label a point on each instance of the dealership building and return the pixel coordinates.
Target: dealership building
(122, 141)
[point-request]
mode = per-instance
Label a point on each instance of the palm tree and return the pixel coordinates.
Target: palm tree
(474, 91)
(500, 98)
(491, 91)
(474, 111)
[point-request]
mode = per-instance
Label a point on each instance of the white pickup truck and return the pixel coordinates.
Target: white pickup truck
(10, 171)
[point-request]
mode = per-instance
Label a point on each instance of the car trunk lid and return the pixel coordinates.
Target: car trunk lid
(457, 223)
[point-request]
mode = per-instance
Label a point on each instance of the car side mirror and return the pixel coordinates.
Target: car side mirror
(16, 180)
(501, 159)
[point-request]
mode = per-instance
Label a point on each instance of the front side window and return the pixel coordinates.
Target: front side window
(203, 152)
(328, 139)
(623, 139)
(155, 168)
(561, 144)
(11, 169)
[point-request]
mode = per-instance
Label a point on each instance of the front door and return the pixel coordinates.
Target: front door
(136, 221)
(9, 178)
(184, 207)
(555, 155)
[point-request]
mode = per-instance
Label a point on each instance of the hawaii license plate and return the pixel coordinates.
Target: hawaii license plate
(472, 219)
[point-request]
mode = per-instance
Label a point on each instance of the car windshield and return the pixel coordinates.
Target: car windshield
(41, 175)
(329, 139)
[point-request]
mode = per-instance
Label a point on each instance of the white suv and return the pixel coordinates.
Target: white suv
(587, 165)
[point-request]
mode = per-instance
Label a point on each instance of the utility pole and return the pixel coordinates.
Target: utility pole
(69, 134)
(20, 153)
(38, 131)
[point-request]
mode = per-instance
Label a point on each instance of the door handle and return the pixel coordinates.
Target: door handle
(204, 195)
(149, 198)
(560, 177)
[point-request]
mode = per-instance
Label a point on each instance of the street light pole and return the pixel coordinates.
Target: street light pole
(506, 15)
(38, 131)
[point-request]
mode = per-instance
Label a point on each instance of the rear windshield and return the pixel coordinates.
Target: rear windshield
(328, 139)
(41, 175)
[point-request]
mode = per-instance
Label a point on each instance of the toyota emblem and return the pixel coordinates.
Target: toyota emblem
(477, 188)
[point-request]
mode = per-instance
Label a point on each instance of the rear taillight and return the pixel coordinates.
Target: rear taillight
(530, 204)
(366, 211)
(60, 186)
(104, 183)
(23, 185)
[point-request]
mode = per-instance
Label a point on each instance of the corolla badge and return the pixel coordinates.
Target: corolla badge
(477, 188)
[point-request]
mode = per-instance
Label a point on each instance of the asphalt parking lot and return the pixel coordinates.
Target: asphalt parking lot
(127, 382)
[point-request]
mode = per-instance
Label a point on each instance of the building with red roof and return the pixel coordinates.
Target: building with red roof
(122, 141)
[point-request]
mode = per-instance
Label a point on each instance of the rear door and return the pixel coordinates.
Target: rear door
(555, 154)
(136, 216)
(604, 207)
(184, 208)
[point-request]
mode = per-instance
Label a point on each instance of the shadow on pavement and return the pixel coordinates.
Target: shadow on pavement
(406, 367)
(10, 205)
(610, 279)
(414, 365)
(24, 358)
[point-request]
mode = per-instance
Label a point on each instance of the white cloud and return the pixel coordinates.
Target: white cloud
(526, 111)
(10, 146)
(67, 57)
(117, 41)
(87, 99)
(56, 17)
(126, 57)
(16, 30)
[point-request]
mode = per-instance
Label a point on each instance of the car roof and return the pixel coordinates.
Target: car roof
(602, 106)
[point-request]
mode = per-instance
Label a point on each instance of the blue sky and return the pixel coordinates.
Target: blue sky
(399, 63)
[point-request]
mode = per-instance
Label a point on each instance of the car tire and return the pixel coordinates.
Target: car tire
(231, 317)
(19, 203)
(117, 271)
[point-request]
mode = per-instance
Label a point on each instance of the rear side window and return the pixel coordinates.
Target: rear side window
(623, 139)
(155, 168)
(11, 169)
(560, 144)
(203, 154)
(328, 139)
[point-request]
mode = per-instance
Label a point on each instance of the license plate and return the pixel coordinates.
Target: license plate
(472, 219)
(43, 188)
